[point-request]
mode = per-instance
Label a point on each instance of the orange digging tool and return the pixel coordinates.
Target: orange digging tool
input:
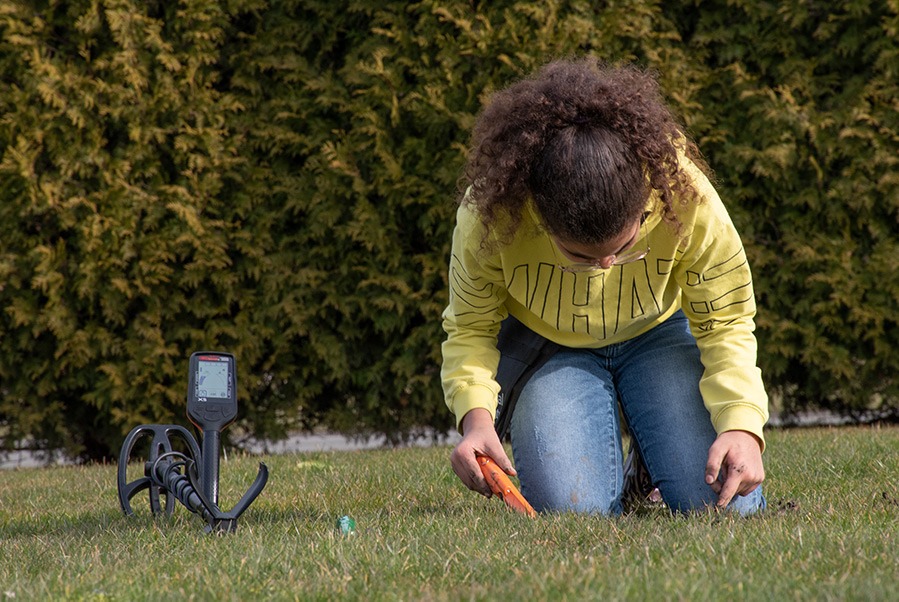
(502, 486)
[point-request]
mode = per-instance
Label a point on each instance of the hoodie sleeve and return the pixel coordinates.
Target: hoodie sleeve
(472, 321)
(718, 300)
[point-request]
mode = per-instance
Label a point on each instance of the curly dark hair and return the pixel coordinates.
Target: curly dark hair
(587, 142)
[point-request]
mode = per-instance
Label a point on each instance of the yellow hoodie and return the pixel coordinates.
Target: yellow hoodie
(702, 269)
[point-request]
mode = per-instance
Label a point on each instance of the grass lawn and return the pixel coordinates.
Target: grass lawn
(831, 533)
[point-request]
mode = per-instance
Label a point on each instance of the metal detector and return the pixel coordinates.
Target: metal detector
(171, 466)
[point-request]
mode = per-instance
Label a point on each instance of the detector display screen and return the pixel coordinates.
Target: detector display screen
(214, 378)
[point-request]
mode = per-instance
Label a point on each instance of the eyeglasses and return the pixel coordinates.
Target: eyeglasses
(629, 256)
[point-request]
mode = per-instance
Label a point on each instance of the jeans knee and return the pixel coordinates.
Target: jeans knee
(749, 504)
(576, 501)
(686, 503)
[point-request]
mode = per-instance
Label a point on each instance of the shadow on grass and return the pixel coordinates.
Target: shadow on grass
(71, 524)
(87, 523)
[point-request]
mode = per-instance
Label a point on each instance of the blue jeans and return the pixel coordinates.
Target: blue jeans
(566, 436)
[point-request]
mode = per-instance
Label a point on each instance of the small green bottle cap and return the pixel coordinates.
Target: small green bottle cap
(346, 525)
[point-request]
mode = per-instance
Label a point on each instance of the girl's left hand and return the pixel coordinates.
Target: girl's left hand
(737, 457)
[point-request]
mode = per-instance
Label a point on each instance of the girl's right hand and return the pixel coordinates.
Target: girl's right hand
(478, 436)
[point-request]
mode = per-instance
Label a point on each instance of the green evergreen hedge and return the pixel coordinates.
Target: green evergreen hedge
(277, 179)
(802, 127)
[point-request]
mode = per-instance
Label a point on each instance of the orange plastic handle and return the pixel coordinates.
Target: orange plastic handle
(501, 485)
